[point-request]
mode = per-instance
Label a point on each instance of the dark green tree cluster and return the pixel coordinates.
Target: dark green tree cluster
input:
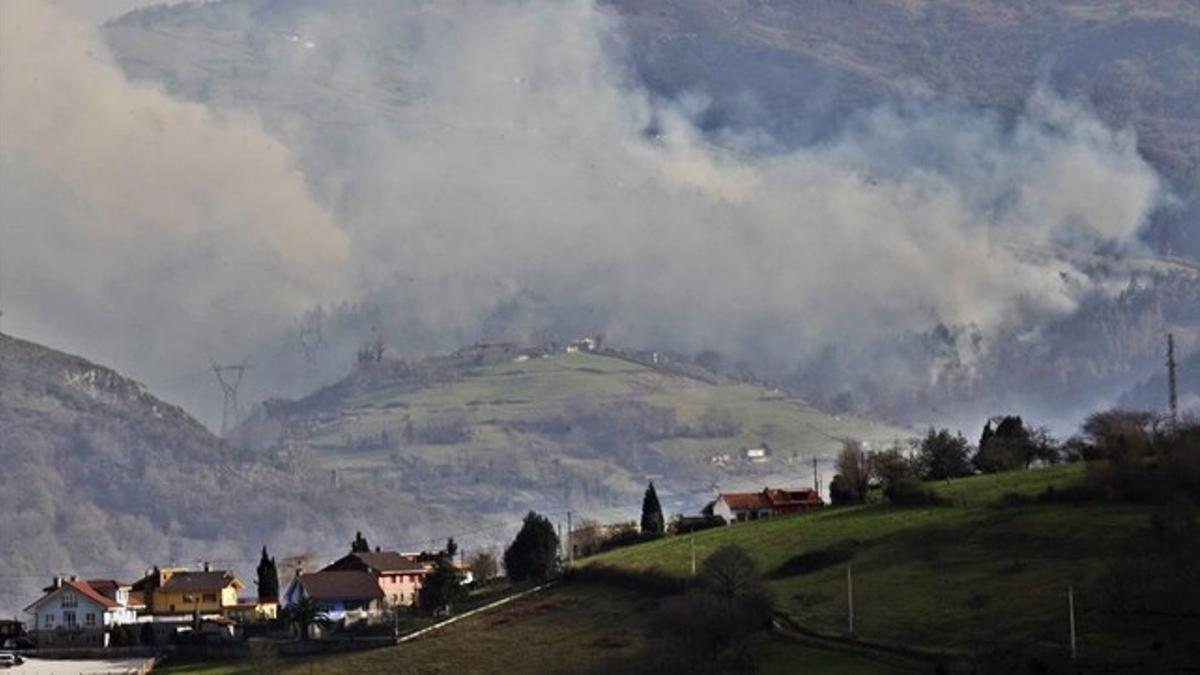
(533, 554)
(442, 588)
(360, 544)
(711, 628)
(850, 484)
(652, 515)
(305, 613)
(1010, 445)
(944, 455)
(268, 577)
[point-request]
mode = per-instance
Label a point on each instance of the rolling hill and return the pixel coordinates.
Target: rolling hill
(409, 452)
(518, 429)
(983, 581)
(100, 478)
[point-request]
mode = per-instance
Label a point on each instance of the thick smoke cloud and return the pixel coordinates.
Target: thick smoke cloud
(137, 229)
(479, 155)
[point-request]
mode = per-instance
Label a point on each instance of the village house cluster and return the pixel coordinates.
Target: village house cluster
(358, 588)
(362, 588)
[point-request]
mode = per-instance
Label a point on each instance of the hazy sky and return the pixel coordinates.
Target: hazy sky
(99, 11)
(498, 163)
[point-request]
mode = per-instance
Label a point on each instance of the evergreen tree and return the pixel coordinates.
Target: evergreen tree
(268, 577)
(652, 515)
(533, 555)
(1009, 446)
(451, 548)
(360, 544)
(441, 589)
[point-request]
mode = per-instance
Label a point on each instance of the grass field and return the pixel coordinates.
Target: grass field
(956, 580)
(573, 629)
(496, 399)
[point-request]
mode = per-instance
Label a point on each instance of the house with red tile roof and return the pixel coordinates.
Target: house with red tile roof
(398, 575)
(771, 502)
(76, 612)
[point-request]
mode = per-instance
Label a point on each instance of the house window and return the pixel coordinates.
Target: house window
(49, 621)
(69, 619)
(210, 597)
(69, 600)
(89, 619)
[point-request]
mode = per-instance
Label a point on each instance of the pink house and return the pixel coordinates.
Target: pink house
(399, 576)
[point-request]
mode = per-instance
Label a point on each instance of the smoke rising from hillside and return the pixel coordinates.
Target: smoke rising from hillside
(139, 229)
(477, 155)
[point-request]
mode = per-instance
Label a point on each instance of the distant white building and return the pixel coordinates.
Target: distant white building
(583, 344)
(76, 612)
(759, 454)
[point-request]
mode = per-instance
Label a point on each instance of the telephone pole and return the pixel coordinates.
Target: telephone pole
(816, 479)
(850, 600)
(1071, 611)
(570, 544)
(1172, 390)
(692, 541)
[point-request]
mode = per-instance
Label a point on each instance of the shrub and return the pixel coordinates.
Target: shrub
(912, 492)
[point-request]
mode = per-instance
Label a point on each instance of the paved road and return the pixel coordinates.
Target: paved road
(62, 667)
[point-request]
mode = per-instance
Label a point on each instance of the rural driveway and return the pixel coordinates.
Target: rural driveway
(72, 667)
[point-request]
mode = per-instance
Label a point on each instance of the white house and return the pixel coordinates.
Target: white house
(77, 612)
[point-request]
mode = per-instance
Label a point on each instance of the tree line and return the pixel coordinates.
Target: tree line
(1128, 442)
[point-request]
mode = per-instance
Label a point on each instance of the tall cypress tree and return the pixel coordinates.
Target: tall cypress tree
(268, 577)
(360, 544)
(652, 516)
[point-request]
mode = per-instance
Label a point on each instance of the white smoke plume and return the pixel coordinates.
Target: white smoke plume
(479, 152)
(137, 228)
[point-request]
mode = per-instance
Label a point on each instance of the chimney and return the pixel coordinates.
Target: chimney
(57, 583)
(74, 578)
(377, 549)
(207, 567)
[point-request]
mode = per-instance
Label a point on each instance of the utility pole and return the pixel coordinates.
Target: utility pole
(692, 540)
(850, 600)
(1172, 391)
(816, 476)
(230, 378)
(1071, 611)
(570, 544)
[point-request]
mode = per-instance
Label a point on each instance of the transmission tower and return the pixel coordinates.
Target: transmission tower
(229, 377)
(311, 340)
(1172, 391)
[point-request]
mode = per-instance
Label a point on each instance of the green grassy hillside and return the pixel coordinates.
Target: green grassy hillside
(579, 429)
(574, 629)
(977, 580)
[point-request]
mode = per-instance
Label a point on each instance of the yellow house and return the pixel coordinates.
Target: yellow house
(249, 610)
(183, 591)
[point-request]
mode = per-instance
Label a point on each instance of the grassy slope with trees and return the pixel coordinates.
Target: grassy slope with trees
(985, 578)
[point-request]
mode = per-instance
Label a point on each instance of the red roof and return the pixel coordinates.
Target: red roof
(792, 496)
(379, 562)
(745, 501)
(771, 498)
(341, 585)
(83, 588)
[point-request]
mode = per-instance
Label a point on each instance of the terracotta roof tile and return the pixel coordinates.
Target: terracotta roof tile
(341, 585)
